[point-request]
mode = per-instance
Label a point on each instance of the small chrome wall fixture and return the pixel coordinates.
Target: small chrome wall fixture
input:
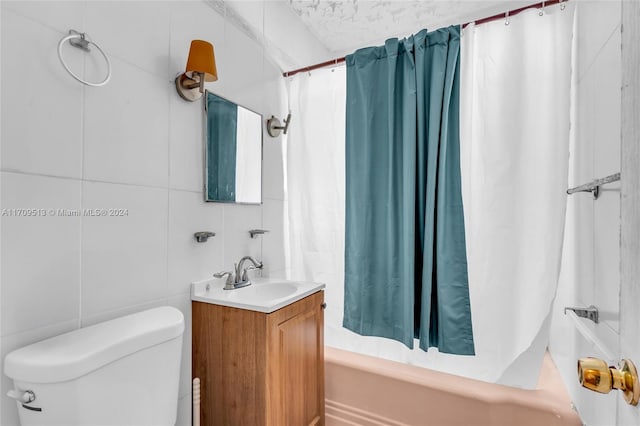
(201, 67)
(274, 127)
(203, 236)
(596, 375)
(590, 313)
(255, 232)
(80, 40)
(594, 186)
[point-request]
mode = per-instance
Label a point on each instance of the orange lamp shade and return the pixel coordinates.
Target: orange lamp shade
(202, 60)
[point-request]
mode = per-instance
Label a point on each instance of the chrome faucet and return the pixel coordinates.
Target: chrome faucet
(241, 278)
(241, 273)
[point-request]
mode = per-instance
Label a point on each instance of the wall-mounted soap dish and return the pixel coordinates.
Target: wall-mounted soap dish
(203, 236)
(254, 232)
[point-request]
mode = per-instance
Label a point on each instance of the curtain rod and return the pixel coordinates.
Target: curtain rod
(336, 61)
(315, 67)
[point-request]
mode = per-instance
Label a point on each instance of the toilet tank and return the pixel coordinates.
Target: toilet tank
(119, 372)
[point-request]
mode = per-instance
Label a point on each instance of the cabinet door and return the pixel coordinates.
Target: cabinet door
(229, 357)
(297, 364)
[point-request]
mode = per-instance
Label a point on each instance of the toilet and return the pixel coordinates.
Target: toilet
(119, 372)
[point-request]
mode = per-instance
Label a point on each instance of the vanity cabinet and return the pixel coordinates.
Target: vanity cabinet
(260, 368)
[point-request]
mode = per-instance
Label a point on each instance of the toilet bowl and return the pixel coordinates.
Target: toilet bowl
(119, 372)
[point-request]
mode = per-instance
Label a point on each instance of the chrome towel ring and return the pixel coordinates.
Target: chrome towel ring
(80, 41)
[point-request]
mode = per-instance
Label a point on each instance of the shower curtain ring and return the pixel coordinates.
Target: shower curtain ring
(506, 18)
(541, 11)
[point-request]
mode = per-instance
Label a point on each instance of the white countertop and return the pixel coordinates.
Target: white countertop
(263, 295)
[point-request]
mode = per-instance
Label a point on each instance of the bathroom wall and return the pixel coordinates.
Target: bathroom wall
(591, 259)
(132, 144)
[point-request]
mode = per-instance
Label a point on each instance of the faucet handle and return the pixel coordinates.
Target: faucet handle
(245, 277)
(229, 283)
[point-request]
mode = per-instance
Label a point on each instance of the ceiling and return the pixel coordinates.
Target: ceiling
(299, 33)
(344, 26)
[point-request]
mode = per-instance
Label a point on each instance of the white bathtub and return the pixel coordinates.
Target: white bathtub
(368, 391)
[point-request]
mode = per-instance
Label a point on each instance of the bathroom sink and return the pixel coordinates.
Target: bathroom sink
(263, 295)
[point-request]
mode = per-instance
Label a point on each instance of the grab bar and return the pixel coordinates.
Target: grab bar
(594, 186)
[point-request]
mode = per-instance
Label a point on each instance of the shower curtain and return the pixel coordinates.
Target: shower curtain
(514, 153)
(315, 183)
(516, 82)
(405, 257)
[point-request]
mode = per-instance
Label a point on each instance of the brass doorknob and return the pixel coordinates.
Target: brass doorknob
(596, 375)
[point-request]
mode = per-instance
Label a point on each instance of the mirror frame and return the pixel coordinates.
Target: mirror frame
(205, 154)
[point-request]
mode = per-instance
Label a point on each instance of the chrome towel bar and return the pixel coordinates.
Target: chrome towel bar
(594, 186)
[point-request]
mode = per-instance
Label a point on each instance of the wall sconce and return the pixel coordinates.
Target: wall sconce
(274, 127)
(201, 67)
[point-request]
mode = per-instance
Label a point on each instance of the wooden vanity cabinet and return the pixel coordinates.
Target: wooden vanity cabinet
(260, 369)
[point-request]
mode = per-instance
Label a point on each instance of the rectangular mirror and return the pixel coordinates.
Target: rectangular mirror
(233, 152)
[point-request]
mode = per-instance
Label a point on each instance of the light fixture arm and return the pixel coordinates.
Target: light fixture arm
(198, 84)
(190, 89)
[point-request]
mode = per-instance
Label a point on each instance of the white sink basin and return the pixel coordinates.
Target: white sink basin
(257, 294)
(263, 295)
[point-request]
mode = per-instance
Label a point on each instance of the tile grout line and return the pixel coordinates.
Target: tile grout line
(167, 256)
(82, 179)
(83, 105)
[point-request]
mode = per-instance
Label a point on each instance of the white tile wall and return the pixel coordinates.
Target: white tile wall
(607, 146)
(123, 257)
(242, 70)
(607, 106)
(136, 150)
(601, 19)
(136, 32)
(186, 138)
(237, 242)
(189, 260)
(133, 144)
(40, 254)
(274, 163)
(120, 312)
(39, 89)
(60, 16)
(273, 213)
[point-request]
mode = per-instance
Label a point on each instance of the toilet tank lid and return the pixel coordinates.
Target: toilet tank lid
(74, 354)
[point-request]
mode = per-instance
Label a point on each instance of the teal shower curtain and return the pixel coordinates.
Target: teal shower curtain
(405, 254)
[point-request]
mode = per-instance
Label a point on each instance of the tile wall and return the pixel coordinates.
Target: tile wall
(132, 144)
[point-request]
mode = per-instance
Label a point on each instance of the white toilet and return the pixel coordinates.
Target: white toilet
(120, 372)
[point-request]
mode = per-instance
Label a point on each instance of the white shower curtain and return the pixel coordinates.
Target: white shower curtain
(316, 183)
(515, 99)
(515, 114)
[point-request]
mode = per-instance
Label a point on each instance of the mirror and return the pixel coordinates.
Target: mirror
(233, 152)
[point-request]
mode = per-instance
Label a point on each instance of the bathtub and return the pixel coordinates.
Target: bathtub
(368, 391)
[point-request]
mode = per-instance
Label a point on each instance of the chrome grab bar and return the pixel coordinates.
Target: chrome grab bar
(594, 186)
